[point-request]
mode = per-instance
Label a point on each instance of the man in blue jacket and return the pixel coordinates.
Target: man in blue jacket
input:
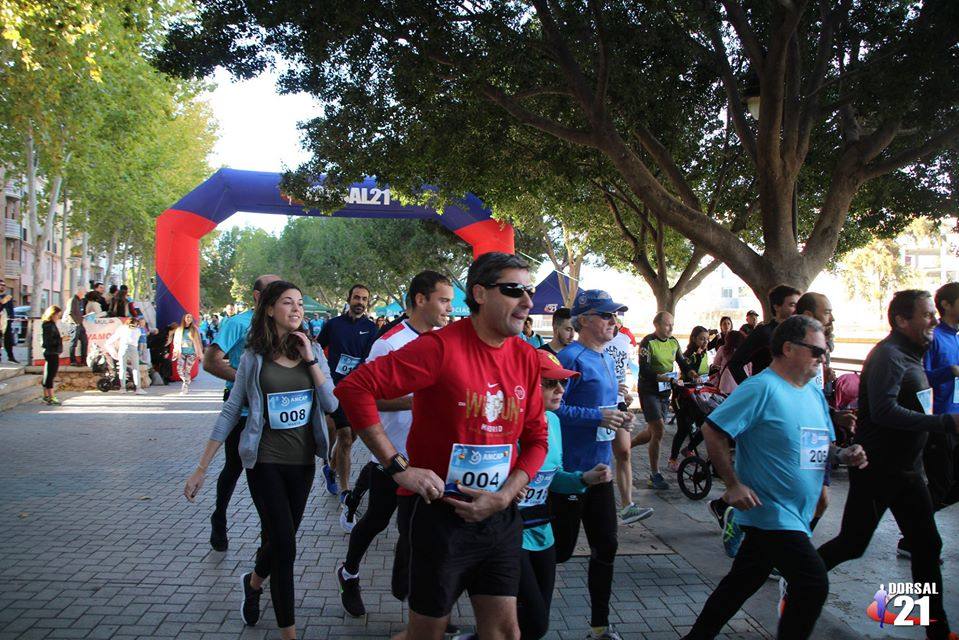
(589, 417)
(941, 363)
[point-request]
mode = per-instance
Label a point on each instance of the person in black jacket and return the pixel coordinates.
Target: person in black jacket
(895, 420)
(6, 331)
(755, 351)
(52, 348)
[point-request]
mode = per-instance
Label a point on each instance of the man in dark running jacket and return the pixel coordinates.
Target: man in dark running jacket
(755, 350)
(895, 420)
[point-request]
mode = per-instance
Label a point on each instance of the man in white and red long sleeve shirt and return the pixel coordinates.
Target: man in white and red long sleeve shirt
(476, 394)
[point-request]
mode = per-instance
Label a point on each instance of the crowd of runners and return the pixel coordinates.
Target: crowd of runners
(493, 453)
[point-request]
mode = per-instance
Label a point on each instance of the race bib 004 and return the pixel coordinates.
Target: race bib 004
(289, 409)
(538, 489)
(346, 364)
(813, 448)
(479, 466)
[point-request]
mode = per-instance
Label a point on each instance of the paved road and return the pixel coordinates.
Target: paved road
(99, 543)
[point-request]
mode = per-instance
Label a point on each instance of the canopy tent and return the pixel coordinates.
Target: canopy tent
(549, 296)
(312, 306)
(460, 310)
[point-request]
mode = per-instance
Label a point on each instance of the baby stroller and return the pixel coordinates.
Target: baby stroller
(695, 472)
(110, 381)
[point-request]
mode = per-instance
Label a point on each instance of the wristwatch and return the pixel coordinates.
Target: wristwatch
(312, 362)
(398, 463)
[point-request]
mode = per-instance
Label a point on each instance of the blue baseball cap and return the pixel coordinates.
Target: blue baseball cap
(597, 301)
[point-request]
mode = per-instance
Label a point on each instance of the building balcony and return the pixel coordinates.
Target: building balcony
(12, 229)
(13, 189)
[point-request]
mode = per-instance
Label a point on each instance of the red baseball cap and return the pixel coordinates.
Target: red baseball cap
(551, 369)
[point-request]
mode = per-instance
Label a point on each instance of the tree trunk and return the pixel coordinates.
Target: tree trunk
(66, 284)
(666, 299)
(111, 256)
(137, 275)
(85, 261)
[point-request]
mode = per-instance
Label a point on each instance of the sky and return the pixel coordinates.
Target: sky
(257, 131)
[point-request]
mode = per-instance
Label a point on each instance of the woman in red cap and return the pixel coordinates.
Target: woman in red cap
(538, 570)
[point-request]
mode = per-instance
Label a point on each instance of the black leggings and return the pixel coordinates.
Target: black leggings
(230, 473)
(596, 509)
(279, 492)
(793, 554)
(50, 367)
(906, 495)
(536, 580)
(382, 504)
(684, 427)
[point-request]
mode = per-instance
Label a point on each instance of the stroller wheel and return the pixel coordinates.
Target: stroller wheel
(694, 477)
(104, 384)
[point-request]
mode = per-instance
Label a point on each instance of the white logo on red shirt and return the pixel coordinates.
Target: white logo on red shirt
(494, 404)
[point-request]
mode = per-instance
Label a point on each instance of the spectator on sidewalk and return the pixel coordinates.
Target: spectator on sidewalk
(52, 348)
(78, 308)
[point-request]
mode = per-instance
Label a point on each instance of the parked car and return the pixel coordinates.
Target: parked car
(20, 322)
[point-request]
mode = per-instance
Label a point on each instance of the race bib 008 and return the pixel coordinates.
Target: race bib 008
(289, 409)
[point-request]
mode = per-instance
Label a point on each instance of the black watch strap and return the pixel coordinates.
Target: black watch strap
(312, 362)
(398, 463)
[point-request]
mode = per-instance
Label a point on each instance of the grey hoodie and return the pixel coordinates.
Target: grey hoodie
(246, 392)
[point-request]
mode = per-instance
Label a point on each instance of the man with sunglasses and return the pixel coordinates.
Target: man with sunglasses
(895, 420)
(591, 419)
(784, 440)
(476, 395)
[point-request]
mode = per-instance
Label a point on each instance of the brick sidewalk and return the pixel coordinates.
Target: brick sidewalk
(99, 542)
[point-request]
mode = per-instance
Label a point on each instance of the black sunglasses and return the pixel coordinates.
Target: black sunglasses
(512, 289)
(551, 384)
(605, 315)
(817, 352)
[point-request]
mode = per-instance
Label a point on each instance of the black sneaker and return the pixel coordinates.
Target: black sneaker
(350, 594)
(250, 611)
(717, 508)
(451, 630)
(218, 539)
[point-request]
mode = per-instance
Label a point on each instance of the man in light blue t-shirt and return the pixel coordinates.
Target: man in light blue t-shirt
(222, 359)
(784, 440)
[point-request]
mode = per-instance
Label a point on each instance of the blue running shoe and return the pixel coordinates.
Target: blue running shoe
(732, 534)
(331, 487)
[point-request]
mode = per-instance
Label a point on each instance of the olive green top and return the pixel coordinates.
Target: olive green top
(288, 394)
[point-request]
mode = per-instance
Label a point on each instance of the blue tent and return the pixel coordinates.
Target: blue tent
(460, 309)
(548, 296)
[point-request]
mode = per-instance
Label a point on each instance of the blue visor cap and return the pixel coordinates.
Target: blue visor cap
(595, 301)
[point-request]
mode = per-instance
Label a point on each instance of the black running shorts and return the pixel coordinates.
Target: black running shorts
(449, 555)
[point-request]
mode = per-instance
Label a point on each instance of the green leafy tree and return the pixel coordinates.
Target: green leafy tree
(875, 271)
(855, 99)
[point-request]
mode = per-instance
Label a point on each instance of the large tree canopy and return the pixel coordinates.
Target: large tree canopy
(857, 105)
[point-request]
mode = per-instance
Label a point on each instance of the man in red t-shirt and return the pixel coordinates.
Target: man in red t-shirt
(476, 394)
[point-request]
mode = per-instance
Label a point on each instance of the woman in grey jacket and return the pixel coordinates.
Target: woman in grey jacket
(284, 380)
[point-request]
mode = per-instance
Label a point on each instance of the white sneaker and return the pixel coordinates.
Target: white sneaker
(140, 392)
(345, 523)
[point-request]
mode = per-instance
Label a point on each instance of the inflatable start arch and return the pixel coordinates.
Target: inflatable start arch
(227, 191)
